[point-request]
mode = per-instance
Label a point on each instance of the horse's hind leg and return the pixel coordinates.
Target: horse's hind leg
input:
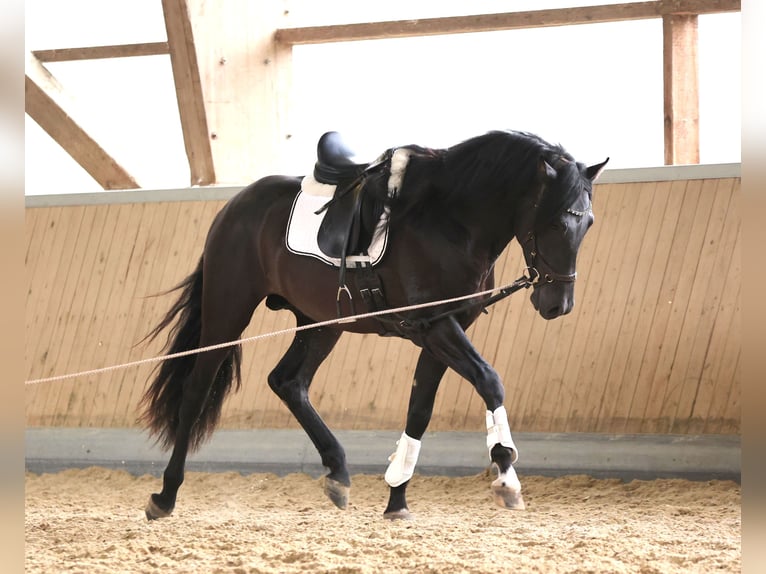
(195, 392)
(428, 375)
(226, 307)
(290, 380)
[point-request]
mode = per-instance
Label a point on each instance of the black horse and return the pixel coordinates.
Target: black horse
(450, 214)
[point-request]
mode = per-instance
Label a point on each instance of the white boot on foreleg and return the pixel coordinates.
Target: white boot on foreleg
(506, 488)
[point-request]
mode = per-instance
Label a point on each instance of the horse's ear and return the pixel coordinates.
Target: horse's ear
(546, 170)
(592, 172)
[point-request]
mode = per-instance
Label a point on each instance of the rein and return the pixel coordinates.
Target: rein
(419, 325)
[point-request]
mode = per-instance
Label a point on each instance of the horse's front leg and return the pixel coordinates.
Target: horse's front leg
(428, 375)
(448, 343)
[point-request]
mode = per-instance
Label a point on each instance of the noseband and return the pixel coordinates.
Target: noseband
(550, 276)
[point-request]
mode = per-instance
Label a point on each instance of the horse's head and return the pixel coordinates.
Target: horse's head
(551, 228)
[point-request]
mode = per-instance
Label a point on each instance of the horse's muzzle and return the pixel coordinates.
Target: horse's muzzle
(553, 300)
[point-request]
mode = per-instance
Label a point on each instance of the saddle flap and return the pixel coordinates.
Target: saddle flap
(352, 216)
(339, 231)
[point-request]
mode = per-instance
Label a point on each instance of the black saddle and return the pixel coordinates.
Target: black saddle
(358, 202)
(356, 207)
(335, 160)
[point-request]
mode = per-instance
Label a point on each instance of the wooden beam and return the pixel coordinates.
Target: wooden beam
(501, 21)
(50, 106)
(246, 77)
(102, 52)
(191, 104)
(681, 89)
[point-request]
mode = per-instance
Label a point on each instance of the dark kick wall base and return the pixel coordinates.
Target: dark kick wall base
(700, 457)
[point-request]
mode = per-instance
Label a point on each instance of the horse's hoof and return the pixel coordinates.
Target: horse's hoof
(153, 511)
(507, 497)
(402, 514)
(337, 492)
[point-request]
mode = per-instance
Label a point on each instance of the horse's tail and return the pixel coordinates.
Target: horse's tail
(162, 399)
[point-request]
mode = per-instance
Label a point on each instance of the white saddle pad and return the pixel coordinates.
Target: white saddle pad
(303, 226)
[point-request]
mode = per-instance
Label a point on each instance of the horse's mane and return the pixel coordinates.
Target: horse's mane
(498, 162)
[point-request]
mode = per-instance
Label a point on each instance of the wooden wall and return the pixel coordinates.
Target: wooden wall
(652, 346)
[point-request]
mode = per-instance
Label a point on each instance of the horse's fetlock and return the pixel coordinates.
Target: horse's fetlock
(502, 456)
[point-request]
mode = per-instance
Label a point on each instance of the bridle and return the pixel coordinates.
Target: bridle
(538, 278)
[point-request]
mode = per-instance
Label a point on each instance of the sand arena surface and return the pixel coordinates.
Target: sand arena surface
(92, 521)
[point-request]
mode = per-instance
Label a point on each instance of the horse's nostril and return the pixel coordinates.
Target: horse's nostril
(554, 312)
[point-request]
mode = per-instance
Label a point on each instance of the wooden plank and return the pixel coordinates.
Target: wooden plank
(714, 389)
(607, 317)
(122, 301)
(731, 421)
(590, 292)
(151, 264)
(396, 372)
(35, 261)
(655, 418)
(55, 111)
(82, 390)
(630, 281)
(71, 361)
(501, 21)
(570, 352)
(44, 409)
(60, 399)
(101, 52)
(138, 325)
(358, 365)
(60, 234)
(681, 88)
(73, 301)
(124, 346)
(51, 241)
(702, 311)
(592, 315)
(35, 221)
(189, 92)
(538, 410)
(657, 302)
(153, 308)
(725, 369)
(637, 317)
(95, 404)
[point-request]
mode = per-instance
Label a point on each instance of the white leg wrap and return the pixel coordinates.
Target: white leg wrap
(499, 431)
(402, 462)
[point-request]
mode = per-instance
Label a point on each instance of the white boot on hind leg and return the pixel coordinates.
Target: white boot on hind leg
(402, 463)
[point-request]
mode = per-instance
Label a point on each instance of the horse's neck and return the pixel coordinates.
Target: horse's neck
(489, 222)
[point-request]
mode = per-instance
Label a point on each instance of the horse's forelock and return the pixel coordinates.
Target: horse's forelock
(564, 191)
